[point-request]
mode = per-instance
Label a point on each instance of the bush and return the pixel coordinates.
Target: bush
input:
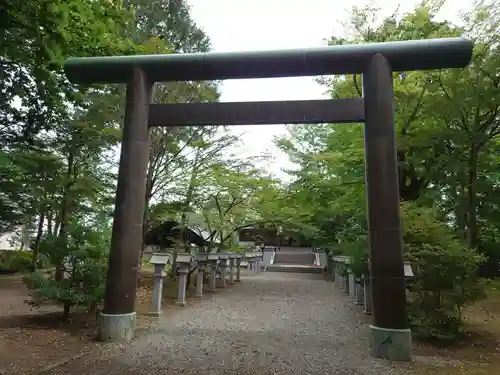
(43, 261)
(80, 276)
(446, 274)
(20, 261)
(358, 251)
(239, 249)
(16, 261)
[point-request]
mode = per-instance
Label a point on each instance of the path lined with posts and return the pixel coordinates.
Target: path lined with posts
(270, 323)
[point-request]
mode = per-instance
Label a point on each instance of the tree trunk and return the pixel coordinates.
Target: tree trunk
(49, 222)
(184, 216)
(472, 228)
(36, 244)
(57, 224)
(66, 311)
(64, 218)
(187, 201)
(147, 198)
(458, 198)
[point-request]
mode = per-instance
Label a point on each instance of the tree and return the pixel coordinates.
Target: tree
(441, 118)
(225, 197)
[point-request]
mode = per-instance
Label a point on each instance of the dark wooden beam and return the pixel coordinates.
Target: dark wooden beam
(126, 237)
(327, 60)
(384, 223)
(258, 113)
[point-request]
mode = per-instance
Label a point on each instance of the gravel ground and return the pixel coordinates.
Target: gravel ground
(271, 323)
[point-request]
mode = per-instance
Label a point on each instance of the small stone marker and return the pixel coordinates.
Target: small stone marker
(213, 263)
(360, 293)
(232, 266)
(202, 263)
(352, 284)
(159, 260)
(223, 266)
(330, 266)
(238, 268)
(184, 263)
(347, 284)
(368, 295)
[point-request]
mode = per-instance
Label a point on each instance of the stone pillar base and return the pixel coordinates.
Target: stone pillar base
(391, 344)
(360, 294)
(117, 327)
(180, 303)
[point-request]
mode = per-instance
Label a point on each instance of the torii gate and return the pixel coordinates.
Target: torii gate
(390, 335)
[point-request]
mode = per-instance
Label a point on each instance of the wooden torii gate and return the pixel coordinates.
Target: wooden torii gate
(390, 335)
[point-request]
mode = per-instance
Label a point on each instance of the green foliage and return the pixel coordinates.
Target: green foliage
(357, 249)
(446, 274)
(84, 264)
(16, 261)
(238, 249)
(447, 148)
(20, 261)
(227, 197)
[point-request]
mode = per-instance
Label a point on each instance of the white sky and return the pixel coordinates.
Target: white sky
(237, 25)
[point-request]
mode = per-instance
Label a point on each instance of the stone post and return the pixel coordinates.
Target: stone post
(367, 295)
(330, 268)
(338, 271)
(238, 269)
(158, 276)
(199, 281)
(181, 294)
(213, 277)
(360, 295)
(159, 260)
(231, 274)
(352, 285)
(346, 283)
(223, 271)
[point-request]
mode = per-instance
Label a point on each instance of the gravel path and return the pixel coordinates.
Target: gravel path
(271, 323)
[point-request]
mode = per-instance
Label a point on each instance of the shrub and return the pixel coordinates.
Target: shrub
(43, 261)
(358, 251)
(81, 271)
(16, 261)
(446, 277)
(446, 272)
(20, 261)
(239, 249)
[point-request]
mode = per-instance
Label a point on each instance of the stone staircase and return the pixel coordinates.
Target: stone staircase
(297, 260)
(294, 258)
(294, 268)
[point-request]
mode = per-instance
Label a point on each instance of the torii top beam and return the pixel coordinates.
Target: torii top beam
(328, 60)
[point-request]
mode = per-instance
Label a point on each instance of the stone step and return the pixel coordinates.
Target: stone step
(297, 258)
(294, 268)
